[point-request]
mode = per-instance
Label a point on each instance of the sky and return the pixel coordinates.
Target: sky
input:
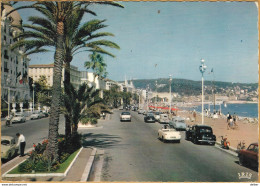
(158, 39)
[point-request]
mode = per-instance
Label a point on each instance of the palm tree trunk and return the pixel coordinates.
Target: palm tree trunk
(68, 122)
(52, 147)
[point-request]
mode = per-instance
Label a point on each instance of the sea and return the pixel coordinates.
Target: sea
(249, 110)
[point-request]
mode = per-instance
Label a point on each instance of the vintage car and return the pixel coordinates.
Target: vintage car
(149, 118)
(164, 118)
(125, 116)
(178, 123)
(157, 115)
(8, 147)
(34, 116)
(202, 134)
(41, 115)
(18, 118)
(249, 156)
(169, 135)
(141, 111)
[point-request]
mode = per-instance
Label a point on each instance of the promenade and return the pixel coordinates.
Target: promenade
(247, 131)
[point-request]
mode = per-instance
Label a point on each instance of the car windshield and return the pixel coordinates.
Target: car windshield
(5, 142)
(205, 130)
(125, 113)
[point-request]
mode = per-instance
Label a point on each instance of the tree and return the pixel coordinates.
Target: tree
(86, 103)
(77, 37)
(97, 64)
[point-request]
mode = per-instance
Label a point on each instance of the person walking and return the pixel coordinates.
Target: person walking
(235, 119)
(21, 143)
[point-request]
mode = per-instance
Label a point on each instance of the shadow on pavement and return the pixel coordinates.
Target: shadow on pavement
(100, 140)
(249, 167)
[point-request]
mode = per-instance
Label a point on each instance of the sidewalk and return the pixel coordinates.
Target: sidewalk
(79, 171)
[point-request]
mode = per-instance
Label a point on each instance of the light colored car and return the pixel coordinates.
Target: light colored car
(8, 147)
(164, 118)
(141, 111)
(35, 116)
(125, 116)
(157, 116)
(18, 118)
(178, 123)
(41, 115)
(169, 135)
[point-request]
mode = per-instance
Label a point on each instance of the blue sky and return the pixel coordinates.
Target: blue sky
(175, 36)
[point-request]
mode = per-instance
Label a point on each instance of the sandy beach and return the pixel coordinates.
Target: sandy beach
(247, 130)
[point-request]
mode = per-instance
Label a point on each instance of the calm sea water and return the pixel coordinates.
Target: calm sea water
(244, 110)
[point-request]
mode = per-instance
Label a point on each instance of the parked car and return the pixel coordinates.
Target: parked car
(125, 116)
(41, 115)
(8, 147)
(178, 123)
(249, 156)
(169, 135)
(46, 114)
(188, 133)
(149, 118)
(157, 115)
(141, 111)
(34, 116)
(164, 118)
(18, 118)
(202, 134)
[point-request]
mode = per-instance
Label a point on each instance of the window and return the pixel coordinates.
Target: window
(4, 38)
(6, 54)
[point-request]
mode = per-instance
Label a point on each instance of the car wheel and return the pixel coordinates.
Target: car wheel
(241, 160)
(178, 141)
(212, 144)
(164, 141)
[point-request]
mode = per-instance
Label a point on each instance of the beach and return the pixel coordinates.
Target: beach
(247, 130)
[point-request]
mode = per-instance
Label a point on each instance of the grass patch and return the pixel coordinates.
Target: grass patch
(61, 169)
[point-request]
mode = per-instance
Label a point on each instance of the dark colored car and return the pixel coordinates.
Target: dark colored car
(201, 134)
(249, 156)
(149, 118)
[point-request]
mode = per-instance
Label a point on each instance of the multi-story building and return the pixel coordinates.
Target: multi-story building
(35, 71)
(92, 80)
(14, 64)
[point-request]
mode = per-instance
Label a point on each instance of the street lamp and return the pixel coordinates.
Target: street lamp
(170, 108)
(202, 70)
(156, 102)
(33, 85)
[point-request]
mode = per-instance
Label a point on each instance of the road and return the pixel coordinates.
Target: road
(134, 154)
(34, 130)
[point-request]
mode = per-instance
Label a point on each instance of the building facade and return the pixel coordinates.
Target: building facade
(36, 71)
(14, 64)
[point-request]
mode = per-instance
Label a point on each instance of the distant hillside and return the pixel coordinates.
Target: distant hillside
(189, 87)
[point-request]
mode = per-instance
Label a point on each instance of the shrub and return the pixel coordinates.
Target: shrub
(93, 121)
(85, 121)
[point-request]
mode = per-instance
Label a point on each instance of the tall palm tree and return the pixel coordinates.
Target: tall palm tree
(77, 39)
(52, 34)
(97, 64)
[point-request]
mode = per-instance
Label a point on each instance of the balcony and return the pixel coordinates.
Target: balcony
(6, 56)
(6, 70)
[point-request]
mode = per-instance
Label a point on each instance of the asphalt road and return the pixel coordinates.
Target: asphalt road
(34, 131)
(134, 154)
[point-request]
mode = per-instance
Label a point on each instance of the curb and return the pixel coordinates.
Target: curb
(88, 167)
(231, 150)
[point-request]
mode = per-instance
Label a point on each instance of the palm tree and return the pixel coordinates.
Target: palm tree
(52, 34)
(86, 103)
(77, 39)
(97, 64)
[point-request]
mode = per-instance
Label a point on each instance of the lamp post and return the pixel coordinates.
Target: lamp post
(33, 85)
(202, 70)
(170, 107)
(156, 102)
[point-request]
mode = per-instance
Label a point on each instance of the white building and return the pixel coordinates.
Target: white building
(35, 71)
(92, 80)
(14, 64)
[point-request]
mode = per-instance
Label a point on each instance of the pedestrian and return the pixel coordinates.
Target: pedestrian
(228, 117)
(194, 115)
(235, 118)
(21, 143)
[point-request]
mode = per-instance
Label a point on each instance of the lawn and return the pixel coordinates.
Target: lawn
(61, 169)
